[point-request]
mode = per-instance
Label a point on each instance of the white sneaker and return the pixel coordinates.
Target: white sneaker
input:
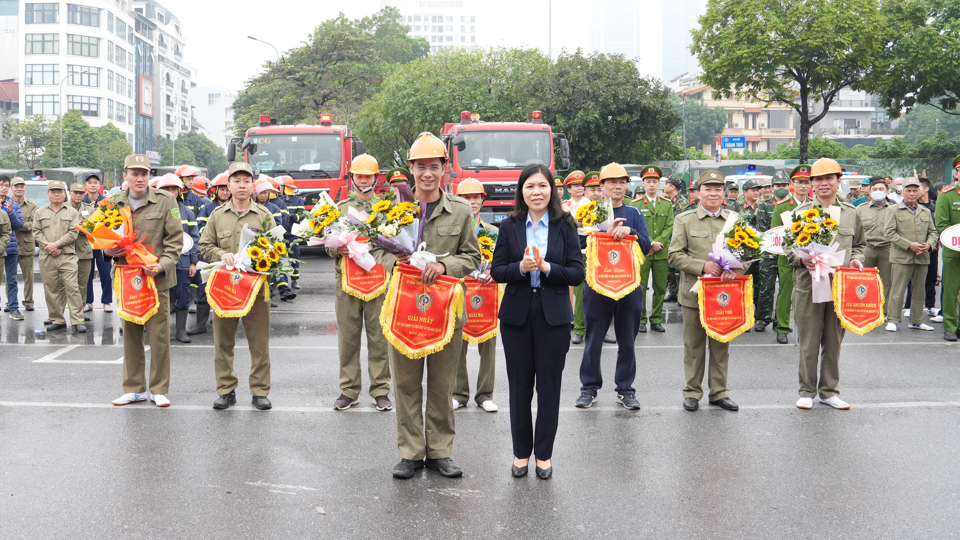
(937, 319)
(933, 312)
(87, 308)
(160, 400)
(107, 308)
(906, 313)
(805, 403)
(489, 406)
(457, 405)
(127, 399)
(835, 402)
(921, 326)
(891, 327)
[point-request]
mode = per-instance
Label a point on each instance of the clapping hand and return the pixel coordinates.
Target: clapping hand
(528, 263)
(542, 265)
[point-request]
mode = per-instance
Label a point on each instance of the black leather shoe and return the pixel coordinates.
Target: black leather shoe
(782, 339)
(519, 472)
(47, 322)
(287, 295)
(54, 327)
(86, 318)
(544, 474)
(262, 403)
(690, 404)
(760, 327)
(577, 339)
(642, 329)
(657, 327)
(949, 336)
(726, 404)
(80, 329)
(406, 468)
(445, 466)
(225, 401)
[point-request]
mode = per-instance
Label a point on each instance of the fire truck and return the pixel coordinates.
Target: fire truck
(495, 152)
(316, 157)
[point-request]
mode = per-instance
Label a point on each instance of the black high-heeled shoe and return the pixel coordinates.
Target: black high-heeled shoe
(519, 472)
(545, 474)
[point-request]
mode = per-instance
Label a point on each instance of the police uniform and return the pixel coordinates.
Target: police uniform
(26, 245)
(558, 184)
(59, 272)
(82, 247)
(877, 253)
(222, 235)
(591, 179)
(680, 204)
(694, 233)
(948, 214)
(903, 225)
(784, 270)
(398, 175)
(488, 361)
(658, 214)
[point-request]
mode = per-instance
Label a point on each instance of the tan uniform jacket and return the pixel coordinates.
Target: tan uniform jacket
(903, 226)
(83, 249)
(6, 230)
(25, 241)
(450, 230)
(383, 258)
(849, 236)
(874, 218)
(56, 226)
(157, 224)
(694, 233)
(222, 232)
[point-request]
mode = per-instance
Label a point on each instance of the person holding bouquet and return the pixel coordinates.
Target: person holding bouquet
(822, 333)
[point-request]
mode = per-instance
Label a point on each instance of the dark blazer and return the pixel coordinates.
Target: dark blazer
(566, 270)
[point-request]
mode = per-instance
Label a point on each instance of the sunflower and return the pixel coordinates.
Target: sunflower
(797, 227)
(732, 242)
(323, 210)
(486, 255)
(588, 221)
(581, 212)
(406, 220)
(381, 206)
(811, 228)
(592, 206)
(829, 223)
(264, 242)
(318, 229)
(752, 233)
(273, 256)
(751, 244)
(803, 239)
(371, 219)
(262, 265)
(739, 229)
(334, 214)
(741, 236)
(280, 248)
(811, 214)
(485, 241)
(395, 214)
(254, 252)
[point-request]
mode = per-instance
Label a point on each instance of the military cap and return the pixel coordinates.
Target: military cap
(800, 171)
(398, 174)
(780, 180)
(56, 184)
(592, 179)
(92, 175)
(956, 160)
(710, 177)
(558, 181)
(675, 182)
(77, 186)
(694, 186)
(651, 171)
(17, 181)
(911, 182)
(764, 182)
(240, 166)
(750, 184)
(136, 161)
(576, 177)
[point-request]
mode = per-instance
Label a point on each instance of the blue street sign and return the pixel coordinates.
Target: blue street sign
(733, 142)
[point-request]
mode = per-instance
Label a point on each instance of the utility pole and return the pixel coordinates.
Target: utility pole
(683, 114)
(174, 158)
(279, 120)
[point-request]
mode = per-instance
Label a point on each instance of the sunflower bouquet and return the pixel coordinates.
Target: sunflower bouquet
(264, 252)
(393, 222)
(106, 215)
(743, 241)
(319, 222)
(810, 237)
(595, 216)
(488, 240)
(813, 226)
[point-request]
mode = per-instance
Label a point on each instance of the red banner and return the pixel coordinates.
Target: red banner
(360, 283)
(416, 319)
(231, 293)
(137, 298)
(726, 307)
(482, 305)
(613, 266)
(858, 299)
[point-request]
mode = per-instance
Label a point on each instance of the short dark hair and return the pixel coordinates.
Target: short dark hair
(4, 178)
(926, 183)
(877, 180)
(938, 187)
(520, 208)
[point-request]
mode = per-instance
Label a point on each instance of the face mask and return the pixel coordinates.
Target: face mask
(878, 195)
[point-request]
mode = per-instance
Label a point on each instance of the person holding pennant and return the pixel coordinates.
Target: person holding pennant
(800, 187)
(153, 234)
(839, 228)
(234, 293)
(421, 316)
(615, 246)
(482, 303)
(658, 214)
(538, 259)
(913, 236)
(947, 215)
(708, 282)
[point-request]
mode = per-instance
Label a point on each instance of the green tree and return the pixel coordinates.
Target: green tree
(794, 52)
(173, 153)
(80, 146)
(926, 121)
(112, 148)
(29, 137)
(702, 123)
(342, 63)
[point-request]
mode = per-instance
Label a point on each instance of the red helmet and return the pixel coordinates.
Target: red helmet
(169, 180)
(153, 181)
(180, 169)
(199, 183)
(220, 180)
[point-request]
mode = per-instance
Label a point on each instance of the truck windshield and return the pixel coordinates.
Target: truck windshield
(513, 149)
(300, 152)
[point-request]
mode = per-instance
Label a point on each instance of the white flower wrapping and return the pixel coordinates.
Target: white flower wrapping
(826, 259)
(599, 227)
(303, 228)
(241, 260)
(390, 240)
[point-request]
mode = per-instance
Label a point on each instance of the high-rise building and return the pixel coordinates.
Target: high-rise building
(213, 109)
(614, 29)
(444, 23)
(678, 18)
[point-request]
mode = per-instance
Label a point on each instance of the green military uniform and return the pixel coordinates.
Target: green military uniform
(658, 214)
(680, 204)
(353, 314)
(948, 214)
(877, 253)
(694, 232)
(83, 249)
(903, 225)
(448, 229)
(488, 362)
(26, 245)
(784, 270)
(820, 328)
(591, 179)
(222, 235)
(156, 221)
(59, 273)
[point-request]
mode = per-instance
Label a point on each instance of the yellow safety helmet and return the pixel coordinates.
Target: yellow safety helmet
(427, 146)
(824, 166)
(364, 164)
(470, 186)
(613, 170)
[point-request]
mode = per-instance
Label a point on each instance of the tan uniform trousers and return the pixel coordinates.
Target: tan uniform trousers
(26, 268)
(256, 325)
(488, 371)
(880, 259)
(135, 358)
(820, 330)
(84, 267)
(902, 275)
(353, 314)
(695, 359)
(437, 442)
(59, 276)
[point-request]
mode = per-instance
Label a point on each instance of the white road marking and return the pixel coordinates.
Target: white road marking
(261, 483)
(50, 358)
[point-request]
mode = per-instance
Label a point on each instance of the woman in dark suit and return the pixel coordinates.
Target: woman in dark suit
(538, 258)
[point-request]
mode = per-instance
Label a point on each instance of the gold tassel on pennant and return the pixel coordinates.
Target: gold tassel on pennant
(492, 333)
(748, 309)
(124, 313)
(366, 297)
(837, 295)
(240, 311)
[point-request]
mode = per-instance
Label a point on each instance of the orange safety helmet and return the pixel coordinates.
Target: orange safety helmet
(220, 180)
(470, 186)
(181, 168)
(169, 180)
(427, 146)
(364, 164)
(153, 181)
(825, 166)
(188, 170)
(199, 184)
(613, 170)
(264, 185)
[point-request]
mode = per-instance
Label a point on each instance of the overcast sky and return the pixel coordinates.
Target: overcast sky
(218, 48)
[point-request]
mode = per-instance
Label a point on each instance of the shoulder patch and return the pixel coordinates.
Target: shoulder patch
(175, 212)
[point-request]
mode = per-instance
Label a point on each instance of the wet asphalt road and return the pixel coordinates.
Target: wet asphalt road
(75, 466)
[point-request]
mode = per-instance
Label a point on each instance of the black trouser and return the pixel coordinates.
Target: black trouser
(626, 314)
(535, 354)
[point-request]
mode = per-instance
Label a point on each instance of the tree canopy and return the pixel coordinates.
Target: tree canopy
(192, 148)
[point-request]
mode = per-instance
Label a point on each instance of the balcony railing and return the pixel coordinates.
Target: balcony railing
(170, 125)
(184, 109)
(170, 105)
(170, 84)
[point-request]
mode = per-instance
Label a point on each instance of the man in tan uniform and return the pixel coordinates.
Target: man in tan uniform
(694, 232)
(873, 215)
(26, 244)
(820, 332)
(449, 232)
(913, 235)
(83, 249)
(220, 241)
(354, 313)
(156, 220)
(53, 229)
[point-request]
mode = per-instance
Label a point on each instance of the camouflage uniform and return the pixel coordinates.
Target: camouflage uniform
(680, 205)
(767, 268)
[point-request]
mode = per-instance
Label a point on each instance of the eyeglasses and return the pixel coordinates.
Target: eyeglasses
(424, 168)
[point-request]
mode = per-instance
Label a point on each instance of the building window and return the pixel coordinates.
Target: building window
(463, 39)
(109, 22)
(122, 85)
(416, 18)
(449, 29)
(130, 90)
(83, 46)
(139, 10)
(109, 109)
(449, 18)
(89, 106)
(473, 39)
(176, 50)
(473, 19)
(121, 30)
(43, 44)
(213, 99)
(779, 119)
(120, 57)
(130, 62)
(38, 74)
(46, 105)
(109, 51)
(47, 13)
(473, 29)
(91, 77)
(416, 28)
(121, 112)
(449, 38)
(83, 15)
(130, 114)
(729, 119)
(109, 80)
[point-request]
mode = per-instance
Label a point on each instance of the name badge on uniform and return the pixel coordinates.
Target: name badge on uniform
(645, 210)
